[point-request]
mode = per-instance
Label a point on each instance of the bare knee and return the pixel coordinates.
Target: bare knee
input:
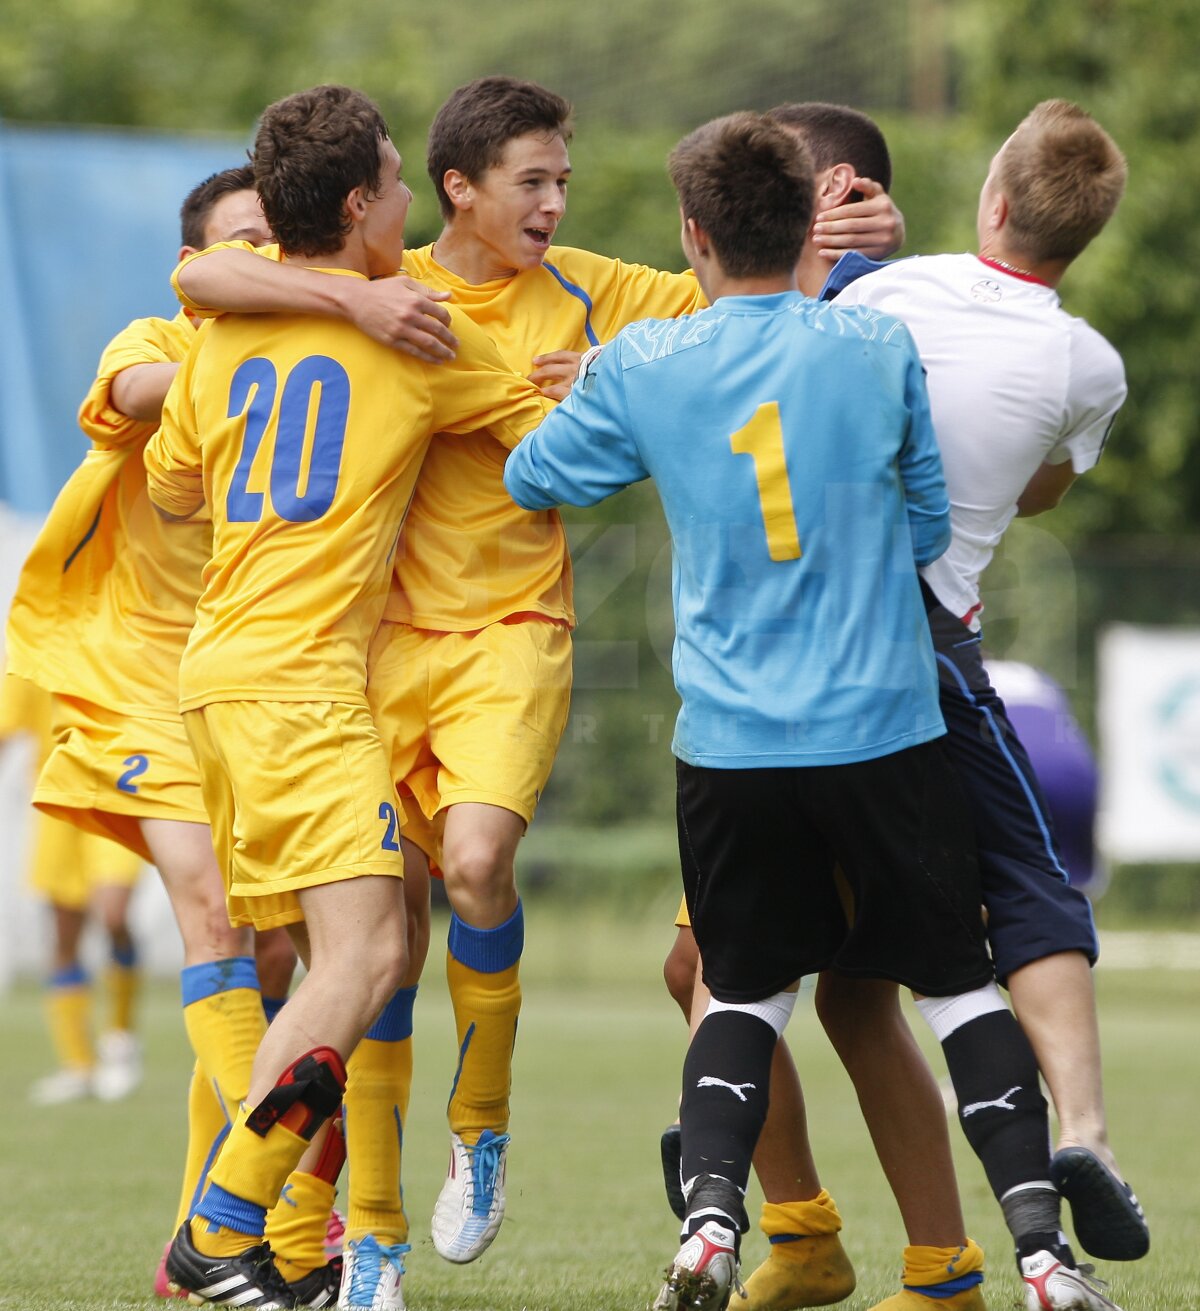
(858, 1012)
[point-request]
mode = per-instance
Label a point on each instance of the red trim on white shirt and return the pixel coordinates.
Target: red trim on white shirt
(1012, 273)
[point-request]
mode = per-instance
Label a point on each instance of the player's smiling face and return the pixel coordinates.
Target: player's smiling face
(515, 207)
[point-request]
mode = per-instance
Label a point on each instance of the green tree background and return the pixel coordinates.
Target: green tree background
(948, 80)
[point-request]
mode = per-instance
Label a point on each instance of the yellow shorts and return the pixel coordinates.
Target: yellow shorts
(683, 920)
(69, 863)
(108, 771)
(299, 794)
(469, 716)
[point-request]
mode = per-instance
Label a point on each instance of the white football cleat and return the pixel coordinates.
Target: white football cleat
(704, 1273)
(1052, 1286)
(470, 1207)
(371, 1275)
(119, 1068)
(61, 1087)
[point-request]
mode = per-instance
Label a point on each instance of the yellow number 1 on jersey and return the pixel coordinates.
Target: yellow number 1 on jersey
(762, 440)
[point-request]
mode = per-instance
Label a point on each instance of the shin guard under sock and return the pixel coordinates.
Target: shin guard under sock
(482, 970)
(726, 1074)
(377, 1093)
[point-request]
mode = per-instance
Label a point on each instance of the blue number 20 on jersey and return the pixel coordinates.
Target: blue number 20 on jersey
(301, 490)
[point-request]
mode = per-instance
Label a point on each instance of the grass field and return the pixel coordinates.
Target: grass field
(89, 1190)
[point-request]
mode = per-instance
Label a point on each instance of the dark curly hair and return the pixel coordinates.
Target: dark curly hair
(311, 150)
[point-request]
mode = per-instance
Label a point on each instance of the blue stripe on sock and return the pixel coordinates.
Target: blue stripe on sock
(272, 1006)
(950, 1287)
(462, 1056)
(221, 1208)
(125, 957)
(217, 1144)
(488, 950)
(395, 1022)
(213, 977)
(785, 1238)
(73, 976)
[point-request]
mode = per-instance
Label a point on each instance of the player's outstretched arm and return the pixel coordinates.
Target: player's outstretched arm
(874, 226)
(399, 312)
(585, 450)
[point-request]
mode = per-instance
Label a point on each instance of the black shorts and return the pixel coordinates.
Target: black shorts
(759, 848)
(1033, 911)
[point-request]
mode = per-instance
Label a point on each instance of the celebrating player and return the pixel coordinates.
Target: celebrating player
(105, 579)
(792, 450)
(295, 778)
(474, 649)
(1023, 398)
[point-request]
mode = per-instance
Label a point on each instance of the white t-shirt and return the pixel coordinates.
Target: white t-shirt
(1014, 382)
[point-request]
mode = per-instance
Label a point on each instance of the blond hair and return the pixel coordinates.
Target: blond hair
(1062, 176)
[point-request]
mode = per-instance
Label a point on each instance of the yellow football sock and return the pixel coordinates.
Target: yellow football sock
(482, 968)
(377, 1092)
(940, 1269)
(122, 981)
(69, 1017)
(246, 1180)
(218, 1240)
(296, 1224)
(207, 1127)
(807, 1265)
(222, 1010)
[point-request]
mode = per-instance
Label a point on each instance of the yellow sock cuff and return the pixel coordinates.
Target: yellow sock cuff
(296, 1224)
(818, 1215)
(926, 1267)
(255, 1168)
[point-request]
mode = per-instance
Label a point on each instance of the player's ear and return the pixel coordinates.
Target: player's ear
(458, 188)
(695, 236)
(834, 186)
(995, 214)
(356, 204)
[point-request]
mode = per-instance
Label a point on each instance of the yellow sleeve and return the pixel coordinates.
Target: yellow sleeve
(478, 391)
(144, 341)
(174, 475)
(206, 311)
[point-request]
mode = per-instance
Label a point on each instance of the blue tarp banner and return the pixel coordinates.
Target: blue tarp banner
(89, 234)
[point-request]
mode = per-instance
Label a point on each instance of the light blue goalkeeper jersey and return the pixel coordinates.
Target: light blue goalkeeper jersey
(791, 447)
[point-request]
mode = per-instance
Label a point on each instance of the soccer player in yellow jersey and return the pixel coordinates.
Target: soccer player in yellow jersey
(102, 611)
(303, 439)
(79, 875)
(470, 673)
